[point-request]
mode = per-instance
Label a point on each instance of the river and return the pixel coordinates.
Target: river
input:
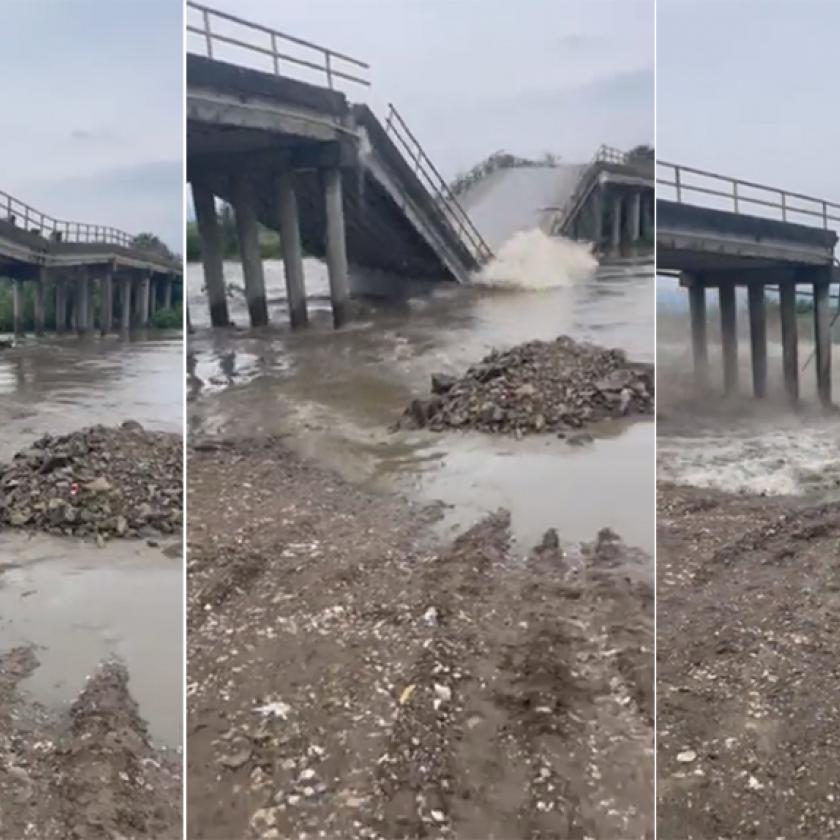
(79, 604)
(337, 394)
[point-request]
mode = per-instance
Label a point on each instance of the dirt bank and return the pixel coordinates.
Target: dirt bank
(97, 482)
(538, 387)
(350, 676)
(91, 776)
(748, 641)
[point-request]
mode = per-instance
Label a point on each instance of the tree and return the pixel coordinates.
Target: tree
(150, 242)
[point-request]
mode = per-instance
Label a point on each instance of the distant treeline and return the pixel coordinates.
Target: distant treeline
(269, 239)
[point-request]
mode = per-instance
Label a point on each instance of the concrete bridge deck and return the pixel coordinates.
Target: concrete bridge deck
(68, 258)
(784, 240)
(334, 180)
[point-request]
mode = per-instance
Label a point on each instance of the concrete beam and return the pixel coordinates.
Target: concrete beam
(790, 339)
(336, 246)
(758, 338)
(244, 206)
(292, 251)
(212, 252)
(699, 340)
(729, 337)
(822, 339)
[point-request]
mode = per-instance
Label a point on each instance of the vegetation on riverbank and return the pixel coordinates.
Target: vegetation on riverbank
(269, 239)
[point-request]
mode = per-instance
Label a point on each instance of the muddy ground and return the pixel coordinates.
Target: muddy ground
(349, 676)
(748, 680)
(92, 775)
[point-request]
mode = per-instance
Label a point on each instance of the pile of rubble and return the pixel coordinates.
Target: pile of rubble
(542, 386)
(97, 482)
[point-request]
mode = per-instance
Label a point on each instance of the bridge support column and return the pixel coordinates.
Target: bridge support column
(145, 290)
(107, 303)
(91, 317)
(729, 337)
(790, 339)
(598, 216)
(758, 338)
(17, 307)
(336, 246)
(125, 304)
(247, 229)
(292, 251)
(635, 217)
(615, 238)
(822, 339)
(153, 296)
(699, 341)
(82, 304)
(40, 298)
(212, 253)
(167, 292)
(60, 305)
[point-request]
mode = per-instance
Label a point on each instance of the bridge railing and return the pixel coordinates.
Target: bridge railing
(437, 186)
(688, 185)
(220, 28)
(27, 218)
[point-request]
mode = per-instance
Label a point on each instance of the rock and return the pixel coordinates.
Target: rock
(236, 760)
(686, 757)
(98, 485)
(442, 382)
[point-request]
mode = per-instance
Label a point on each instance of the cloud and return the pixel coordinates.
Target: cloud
(98, 136)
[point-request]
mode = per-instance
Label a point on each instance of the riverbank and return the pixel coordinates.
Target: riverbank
(747, 626)
(90, 775)
(353, 673)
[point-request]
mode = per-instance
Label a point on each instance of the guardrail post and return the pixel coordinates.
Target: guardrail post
(336, 245)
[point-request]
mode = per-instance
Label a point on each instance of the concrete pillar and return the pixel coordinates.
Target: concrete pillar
(292, 251)
(636, 217)
(615, 238)
(143, 303)
(822, 339)
(699, 341)
(125, 303)
(91, 317)
(167, 292)
(212, 253)
(758, 338)
(60, 305)
(153, 296)
(729, 337)
(17, 306)
(790, 338)
(40, 298)
(247, 229)
(336, 246)
(598, 216)
(82, 303)
(107, 317)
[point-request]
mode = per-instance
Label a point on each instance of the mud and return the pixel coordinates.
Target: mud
(351, 676)
(748, 614)
(93, 775)
(97, 482)
(538, 387)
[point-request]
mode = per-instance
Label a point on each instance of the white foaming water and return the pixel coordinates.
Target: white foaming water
(796, 462)
(531, 259)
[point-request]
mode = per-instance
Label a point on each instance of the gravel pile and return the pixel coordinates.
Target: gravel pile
(555, 386)
(102, 482)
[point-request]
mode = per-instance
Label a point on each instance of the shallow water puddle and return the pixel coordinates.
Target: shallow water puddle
(79, 604)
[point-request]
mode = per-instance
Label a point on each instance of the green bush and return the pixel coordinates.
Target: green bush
(168, 319)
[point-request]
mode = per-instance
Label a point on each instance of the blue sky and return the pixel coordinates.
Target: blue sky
(474, 76)
(91, 124)
(747, 88)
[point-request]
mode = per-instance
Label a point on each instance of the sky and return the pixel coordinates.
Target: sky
(747, 88)
(474, 76)
(91, 124)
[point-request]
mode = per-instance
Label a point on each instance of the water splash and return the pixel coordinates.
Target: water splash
(531, 259)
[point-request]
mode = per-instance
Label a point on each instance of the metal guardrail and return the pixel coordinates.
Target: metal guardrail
(737, 193)
(29, 219)
(445, 199)
(333, 65)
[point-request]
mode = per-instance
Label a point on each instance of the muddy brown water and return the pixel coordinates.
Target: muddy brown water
(79, 604)
(336, 395)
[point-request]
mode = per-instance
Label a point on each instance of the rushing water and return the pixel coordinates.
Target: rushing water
(741, 445)
(79, 604)
(337, 394)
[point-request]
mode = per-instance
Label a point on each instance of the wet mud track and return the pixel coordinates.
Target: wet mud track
(350, 675)
(748, 647)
